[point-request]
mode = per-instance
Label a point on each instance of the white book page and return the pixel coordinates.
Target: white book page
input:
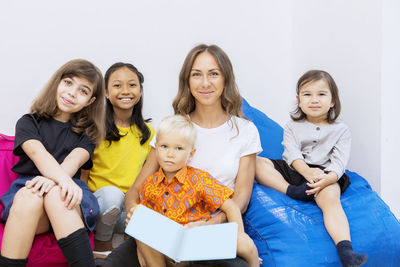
(209, 242)
(156, 231)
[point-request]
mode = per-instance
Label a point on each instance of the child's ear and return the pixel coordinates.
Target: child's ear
(332, 104)
(90, 101)
(191, 154)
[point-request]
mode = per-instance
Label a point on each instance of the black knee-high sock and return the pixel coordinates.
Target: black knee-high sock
(76, 249)
(299, 192)
(6, 262)
(347, 256)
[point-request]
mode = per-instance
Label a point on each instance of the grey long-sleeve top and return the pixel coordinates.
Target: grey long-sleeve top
(327, 146)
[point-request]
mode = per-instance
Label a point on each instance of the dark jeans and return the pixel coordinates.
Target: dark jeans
(126, 256)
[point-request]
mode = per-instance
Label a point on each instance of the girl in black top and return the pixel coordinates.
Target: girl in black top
(53, 142)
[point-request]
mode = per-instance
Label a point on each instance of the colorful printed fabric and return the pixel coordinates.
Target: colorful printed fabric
(190, 196)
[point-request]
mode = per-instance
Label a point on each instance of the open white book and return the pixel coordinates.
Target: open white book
(206, 242)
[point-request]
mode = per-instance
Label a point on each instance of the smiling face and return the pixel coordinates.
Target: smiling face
(173, 151)
(123, 89)
(315, 100)
(206, 80)
(73, 94)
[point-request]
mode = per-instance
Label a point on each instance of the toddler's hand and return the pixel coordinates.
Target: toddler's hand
(40, 184)
(319, 184)
(194, 224)
(129, 214)
(313, 174)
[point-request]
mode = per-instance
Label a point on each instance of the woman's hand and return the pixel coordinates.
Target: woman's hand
(71, 193)
(40, 185)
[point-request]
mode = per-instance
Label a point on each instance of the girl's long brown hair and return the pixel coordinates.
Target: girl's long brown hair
(89, 120)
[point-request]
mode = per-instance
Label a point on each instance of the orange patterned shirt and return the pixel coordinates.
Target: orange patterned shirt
(190, 196)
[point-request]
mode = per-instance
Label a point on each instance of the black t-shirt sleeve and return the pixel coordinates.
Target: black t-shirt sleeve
(86, 143)
(26, 129)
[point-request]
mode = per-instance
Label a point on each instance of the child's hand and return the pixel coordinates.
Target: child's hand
(71, 193)
(40, 184)
(319, 184)
(129, 214)
(313, 174)
(194, 224)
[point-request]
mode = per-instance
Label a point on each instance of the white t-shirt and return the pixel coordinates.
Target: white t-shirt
(218, 150)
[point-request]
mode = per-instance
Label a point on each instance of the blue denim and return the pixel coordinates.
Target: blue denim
(89, 205)
(109, 197)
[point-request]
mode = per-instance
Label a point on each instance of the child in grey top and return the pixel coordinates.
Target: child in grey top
(316, 151)
(326, 146)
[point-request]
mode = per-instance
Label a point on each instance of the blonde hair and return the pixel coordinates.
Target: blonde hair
(178, 124)
(231, 101)
(90, 119)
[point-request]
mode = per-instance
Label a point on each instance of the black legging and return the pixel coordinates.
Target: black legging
(126, 256)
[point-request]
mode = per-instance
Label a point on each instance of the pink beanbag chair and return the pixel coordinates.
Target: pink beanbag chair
(45, 251)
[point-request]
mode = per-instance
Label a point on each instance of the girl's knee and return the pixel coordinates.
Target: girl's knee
(260, 161)
(329, 195)
(264, 166)
(53, 197)
(26, 202)
(110, 196)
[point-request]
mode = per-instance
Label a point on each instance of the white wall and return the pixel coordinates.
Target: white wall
(270, 42)
(343, 38)
(390, 126)
(39, 36)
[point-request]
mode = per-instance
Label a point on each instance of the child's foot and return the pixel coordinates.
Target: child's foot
(299, 192)
(102, 248)
(348, 257)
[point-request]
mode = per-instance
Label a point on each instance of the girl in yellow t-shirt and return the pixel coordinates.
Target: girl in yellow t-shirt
(120, 157)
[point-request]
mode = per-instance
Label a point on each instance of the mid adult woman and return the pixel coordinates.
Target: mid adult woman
(226, 145)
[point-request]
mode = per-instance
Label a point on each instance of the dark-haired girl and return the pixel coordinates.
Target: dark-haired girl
(316, 152)
(120, 157)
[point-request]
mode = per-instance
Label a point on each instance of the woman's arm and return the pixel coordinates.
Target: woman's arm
(244, 181)
(243, 187)
(232, 213)
(132, 195)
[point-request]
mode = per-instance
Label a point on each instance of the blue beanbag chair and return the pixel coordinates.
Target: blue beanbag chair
(288, 232)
